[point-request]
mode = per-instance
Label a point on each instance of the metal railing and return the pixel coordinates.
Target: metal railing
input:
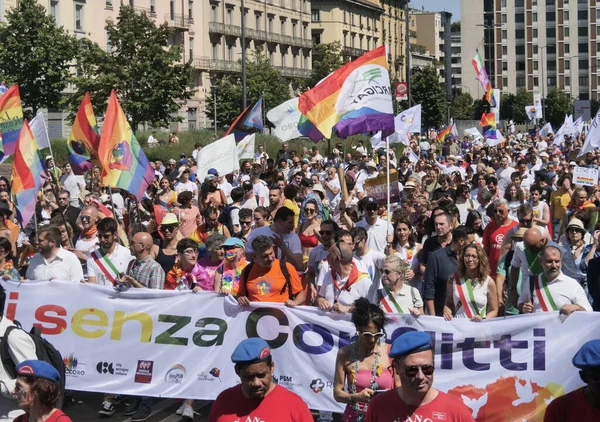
(202, 63)
(147, 10)
(353, 52)
(258, 34)
(177, 21)
(225, 66)
(226, 29)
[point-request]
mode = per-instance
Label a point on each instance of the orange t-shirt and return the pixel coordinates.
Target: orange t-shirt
(265, 284)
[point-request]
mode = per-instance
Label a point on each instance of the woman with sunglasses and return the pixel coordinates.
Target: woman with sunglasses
(308, 231)
(210, 226)
(227, 275)
(189, 215)
(397, 296)
(166, 253)
(403, 243)
(471, 292)
(362, 368)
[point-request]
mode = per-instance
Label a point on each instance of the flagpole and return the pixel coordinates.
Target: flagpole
(387, 161)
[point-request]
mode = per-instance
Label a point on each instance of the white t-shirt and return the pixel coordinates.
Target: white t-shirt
(74, 184)
(188, 186)
(333, 199)
(121, 257)
(262, 194)
(291, 240)
(360, 288)
(317, 259)
(564, 290)
(377, 233)
(371, 263)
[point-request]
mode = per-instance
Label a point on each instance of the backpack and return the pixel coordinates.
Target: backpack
(225, 217)
(44, 350)
(284, 270)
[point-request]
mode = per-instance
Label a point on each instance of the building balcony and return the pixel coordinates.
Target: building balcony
(292, 72)
(201, 63)
(225, 29)
(353, 52)
(178, 21)
(150, 11)
(227, 66)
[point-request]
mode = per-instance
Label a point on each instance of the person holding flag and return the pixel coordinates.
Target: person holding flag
(396, 295)
(471, 293)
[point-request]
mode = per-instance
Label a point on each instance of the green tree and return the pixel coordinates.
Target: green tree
(523, 99)
(462, 106)
(261, 79)
(36, 55)
(145, 71)
(326, 59)
(430, 93)
(557, 105)
(507, 106)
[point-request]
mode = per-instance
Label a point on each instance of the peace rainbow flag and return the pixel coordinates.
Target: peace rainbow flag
(28, 174)
(355, 98)
(483, 78)
(445, 133)
(11, 119)
(488, 121)
(84, 138)
(124, 163)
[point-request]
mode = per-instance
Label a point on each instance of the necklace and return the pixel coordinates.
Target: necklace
(376, 370)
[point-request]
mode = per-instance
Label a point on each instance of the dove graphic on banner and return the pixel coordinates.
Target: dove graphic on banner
(285, 117)
(409, 120)
(546, 130)
(592, 139)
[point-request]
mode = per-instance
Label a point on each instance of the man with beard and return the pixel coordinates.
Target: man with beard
(52, 262)
(257, 397)
(552, 290)
(69, 211)
(107, 263)
(415, 399)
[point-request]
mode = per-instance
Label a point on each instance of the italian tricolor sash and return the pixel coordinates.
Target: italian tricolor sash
(355, 276)
(105, 265)
(542, 292)
(467, 298)
(389, 302)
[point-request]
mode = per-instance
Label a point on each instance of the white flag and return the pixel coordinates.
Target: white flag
(220, 155)
(38, 127)
(409, 120)
(474, 132)
(493, 142)
(285, 117)
(454, 131)
(412, 156)
(592, 139)
(376, 141)
(530, 111)
(546, 130)
(578, 126)
(245, 148)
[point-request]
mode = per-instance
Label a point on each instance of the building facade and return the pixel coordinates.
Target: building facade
(535, 44)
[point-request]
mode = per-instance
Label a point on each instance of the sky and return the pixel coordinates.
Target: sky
(452, 6)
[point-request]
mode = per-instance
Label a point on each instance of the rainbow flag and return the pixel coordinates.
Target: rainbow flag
(309, 130)
(124, 163)
(84, 138)
(483, 78)
(28, 174)
(445, 133)
(11, 119)
(356, 98)
(488, 121)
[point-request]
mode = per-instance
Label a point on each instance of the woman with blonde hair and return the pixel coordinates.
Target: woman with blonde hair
(396, 295)
(471, 292)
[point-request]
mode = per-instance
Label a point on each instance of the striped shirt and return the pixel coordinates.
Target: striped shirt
(147, 272)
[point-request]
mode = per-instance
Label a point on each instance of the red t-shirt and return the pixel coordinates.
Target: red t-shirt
(493, 236)
(389, 407)
(571, 407)
(56, 416)
(280, 405)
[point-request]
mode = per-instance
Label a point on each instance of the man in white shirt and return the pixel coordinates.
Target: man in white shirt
(52, 262)
(196, 151)
(111, 260)
(185, 184)
(260, 155)
(152, 141)
(344, 283)
(367, 260)
(74, 184)
(332, 186)
(377, 229)
(287, 243)
(552, 290)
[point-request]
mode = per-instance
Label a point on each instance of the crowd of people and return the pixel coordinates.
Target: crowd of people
(479, 232)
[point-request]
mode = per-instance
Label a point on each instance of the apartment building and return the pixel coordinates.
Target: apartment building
(210, 33)
(361, 26)
(535, 44)
(456, 59)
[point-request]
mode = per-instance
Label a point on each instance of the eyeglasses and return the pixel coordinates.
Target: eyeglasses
(309, 211)
(500, 211)
(387, 272)
(245, 223)
(168, 228)
(85, 218)
(412, 371)
(325, 232)
(367, 334)
(190, 252)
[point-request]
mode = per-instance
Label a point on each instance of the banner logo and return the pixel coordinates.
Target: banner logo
(175, 375)
(143, 373)
(105, 367)
(317, 385)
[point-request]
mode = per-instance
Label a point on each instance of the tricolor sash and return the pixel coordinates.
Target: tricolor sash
(542, 293)
(106, 266)
(389, 302)
(467, 298)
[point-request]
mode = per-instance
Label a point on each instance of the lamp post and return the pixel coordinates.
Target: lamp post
(243, 45)
(542, 48)
(214, 88)
(571, 77)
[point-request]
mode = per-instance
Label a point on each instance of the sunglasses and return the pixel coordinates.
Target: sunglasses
(387, 272)
(245, 223)
(367, 334)
(325, 232)
(168, 228)
(412, 371)
(309, 211)
(85, 218)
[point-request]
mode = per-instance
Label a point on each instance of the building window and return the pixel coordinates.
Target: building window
(229, 16)
(282, 27)
(582, 31)
(535, 33)
(535, 65)
(79, 17)
(257, 23)
(191, 50)
(534, 17)
(567, 32)
(316, 15)
(566, 15)
(504, 82)
(345, 39)
(597, 30)
(213, 13)
(567, 48)
(152, 7)
(536, 81)
(294, 27)
(504, 65)
(503, 18)
(567, 64)
(271, 58)
(215, 51)
(230, 52)
(535, 49)
(504, 34)
(54, 10)
(132, 3)
(317, 39)
(597, 14)
(305, 29)
(108, 3)
(503, 3)
(271, 24)
(191, 9)
(504, 50)
(345, 17)
(567, 81)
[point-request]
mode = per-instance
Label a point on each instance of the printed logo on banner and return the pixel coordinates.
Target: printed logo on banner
(143, 372)
(176, 374)
(288, 382)
(72, 366)
(112, 368)
(318, 385)
(209, 376)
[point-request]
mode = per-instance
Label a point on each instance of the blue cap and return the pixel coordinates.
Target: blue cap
(588, 356)
(251, 349)
(233, 241)
(550, 176)
(213, 171)
(38, 369)
(410, 342)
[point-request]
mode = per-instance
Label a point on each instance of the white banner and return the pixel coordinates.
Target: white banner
(585, 176)
(220, 155)
(474, 132)
(592, 138)
(38, 127)
(178, 344)
(245, 148)
(285, 117)
(530, 110)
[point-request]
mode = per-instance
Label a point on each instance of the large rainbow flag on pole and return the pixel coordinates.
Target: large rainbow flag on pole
(488, 121)
(84, 139)
(483, 78)
(27, 174)
(124, 163)
(355, 98)
(11, 119)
